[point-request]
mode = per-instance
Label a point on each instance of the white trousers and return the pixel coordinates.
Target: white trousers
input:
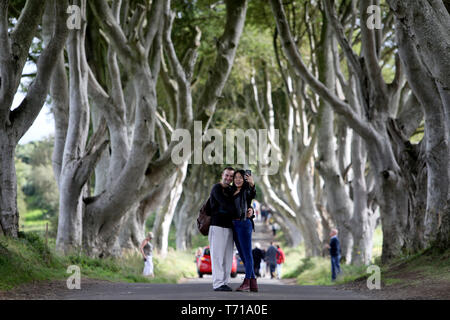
(262, 269)
(279, 267)
(148, 266)
(221, 248)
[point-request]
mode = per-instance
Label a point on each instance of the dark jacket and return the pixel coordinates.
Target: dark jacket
(335, 247)
(271, 255)
(222, 206)
(243, 201)
(258, 255)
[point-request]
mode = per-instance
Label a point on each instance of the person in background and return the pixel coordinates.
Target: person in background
(264, 213)
(198, 254)
(280, 260)
(269, 220)
(256, 209)
(146, 249)
(271, 259)
(275, 227)
(258, 256)
(335, 253)
(263, 268)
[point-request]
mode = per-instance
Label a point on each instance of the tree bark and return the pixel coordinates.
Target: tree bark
(9, 218)
(339, 204)
(364, 220)
(422, 34)
(379, 133)
(78, 160)
(169, 208)
(105, 213)
(14, 48)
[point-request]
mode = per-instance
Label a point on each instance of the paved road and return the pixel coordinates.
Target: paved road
(201, 289)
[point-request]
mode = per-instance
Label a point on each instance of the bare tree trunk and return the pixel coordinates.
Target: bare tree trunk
(182, 218)
(291, 231)
(169, 209)
(14, 47)
(78, 160)
(422, 31)
(339, 204)
(312, 229)
(104, 214)
(195, 193)
(384, 143)
(363, 221)
(132, 232)
(9, 218)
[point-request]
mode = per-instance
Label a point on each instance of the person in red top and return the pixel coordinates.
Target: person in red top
(280, 260)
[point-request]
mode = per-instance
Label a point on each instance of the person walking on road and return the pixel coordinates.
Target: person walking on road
(280, 260)
(244, 192)
(146, 249)
(258, 256)
(271, 259)
(275, 227)
(220, 234)
(335, 253)
(263, 268)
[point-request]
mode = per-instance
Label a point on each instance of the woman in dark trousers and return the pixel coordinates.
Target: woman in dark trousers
(243, 193)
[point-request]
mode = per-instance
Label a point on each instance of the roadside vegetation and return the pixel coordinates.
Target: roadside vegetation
(427, 268)
(28, 259)
(317, 270)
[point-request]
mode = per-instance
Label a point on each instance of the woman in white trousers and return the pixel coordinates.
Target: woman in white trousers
(147, 250)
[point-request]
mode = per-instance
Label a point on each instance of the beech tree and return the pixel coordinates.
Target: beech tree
(291, 190)
(297, 190)
(138, 166)
(15, 44)
(390, 153)
(423, 40)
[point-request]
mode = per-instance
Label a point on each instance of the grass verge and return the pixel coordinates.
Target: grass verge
(423, 275)
(317, 270)
(28, 259)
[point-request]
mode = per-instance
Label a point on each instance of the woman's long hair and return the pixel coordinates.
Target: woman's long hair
(245, 185)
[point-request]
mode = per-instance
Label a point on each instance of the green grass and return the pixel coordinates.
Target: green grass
(392, 281)
(317, 270)
(404, 271)
(293, 265)
(27, 259)
(34, 221)
(34, 215)
(427, 264)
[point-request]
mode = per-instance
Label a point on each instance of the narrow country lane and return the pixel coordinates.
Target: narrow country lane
(201, 288)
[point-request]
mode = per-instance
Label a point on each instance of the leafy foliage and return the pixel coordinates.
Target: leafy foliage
(37, 191)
